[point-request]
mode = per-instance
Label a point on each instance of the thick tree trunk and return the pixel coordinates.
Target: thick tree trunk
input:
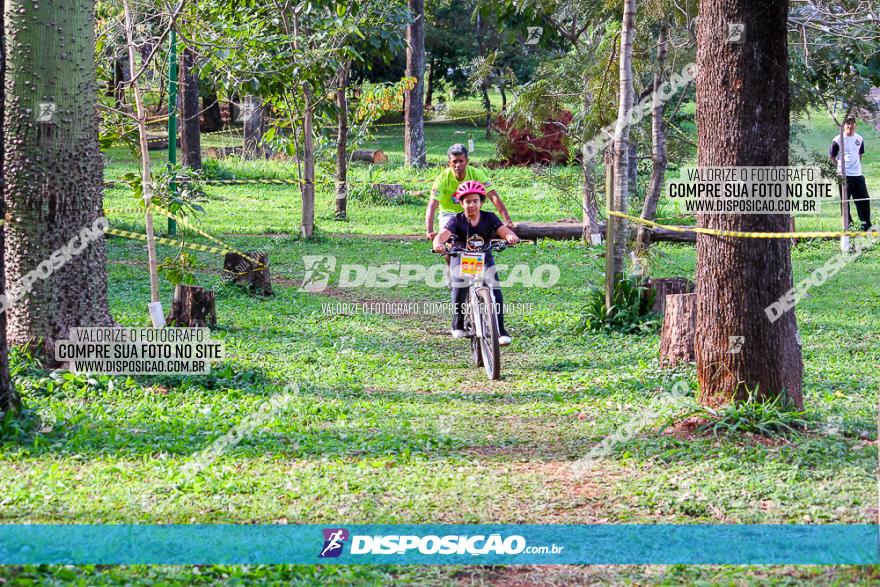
(190, 132)
(53, 171)
(620, 200)
(414, 126)
(254, 127)
(658, 146)
(342, 143)
(679, 329)
(212, 117)
(743, 119)
(9, 399)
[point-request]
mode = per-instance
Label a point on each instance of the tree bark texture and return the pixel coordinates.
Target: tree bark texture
(193, 307)
(658, 145)
(679, 330)
(53, 170)
(9, 399)
(342, 143)
(620, 198)
(254, 127)
(190, 128)
(743, 119)
(414, 125)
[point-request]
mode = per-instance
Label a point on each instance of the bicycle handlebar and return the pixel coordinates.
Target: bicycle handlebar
(492, 245)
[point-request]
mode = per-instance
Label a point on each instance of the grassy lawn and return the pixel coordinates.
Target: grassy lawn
(391, 425)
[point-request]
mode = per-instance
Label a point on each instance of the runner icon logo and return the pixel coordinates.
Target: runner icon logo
(334, 540)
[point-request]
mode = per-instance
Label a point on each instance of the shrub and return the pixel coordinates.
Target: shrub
(630, 311)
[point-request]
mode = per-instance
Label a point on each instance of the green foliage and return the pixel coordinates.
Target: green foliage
(630, 311)
(184, 199)
(756, 415)
(179, 270)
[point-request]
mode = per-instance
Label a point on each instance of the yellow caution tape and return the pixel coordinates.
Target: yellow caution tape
(165, 241)
(740, 234)
(162, 211)
(187, 224)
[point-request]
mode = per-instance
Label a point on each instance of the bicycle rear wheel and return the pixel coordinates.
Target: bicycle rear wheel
(491, 350)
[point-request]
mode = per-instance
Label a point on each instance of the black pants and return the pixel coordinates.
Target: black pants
(857, 191)
(460, 295)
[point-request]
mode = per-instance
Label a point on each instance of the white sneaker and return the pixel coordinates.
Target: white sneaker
(504, 340)
(458, 334)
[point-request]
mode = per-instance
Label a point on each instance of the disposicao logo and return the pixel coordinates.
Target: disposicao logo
(334, 539)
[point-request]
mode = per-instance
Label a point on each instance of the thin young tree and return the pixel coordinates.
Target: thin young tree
(617, 228)
(53, 170)
(743, 120)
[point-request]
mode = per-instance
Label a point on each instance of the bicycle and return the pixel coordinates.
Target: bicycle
(480, 319)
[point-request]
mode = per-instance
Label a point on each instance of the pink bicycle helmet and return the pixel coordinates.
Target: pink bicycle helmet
(469, 187)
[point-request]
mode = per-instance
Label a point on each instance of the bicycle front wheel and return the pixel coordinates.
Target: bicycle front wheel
(491, 350)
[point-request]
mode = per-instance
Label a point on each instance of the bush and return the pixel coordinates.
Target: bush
(530, 146)
(630, 311)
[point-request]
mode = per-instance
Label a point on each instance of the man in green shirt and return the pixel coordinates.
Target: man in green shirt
(446, 184)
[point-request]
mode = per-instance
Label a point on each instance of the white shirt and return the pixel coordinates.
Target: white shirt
(855, 148)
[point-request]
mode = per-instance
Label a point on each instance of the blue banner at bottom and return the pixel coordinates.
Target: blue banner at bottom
(492, 544)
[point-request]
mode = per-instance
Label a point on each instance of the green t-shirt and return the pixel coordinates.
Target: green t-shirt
(446, 184)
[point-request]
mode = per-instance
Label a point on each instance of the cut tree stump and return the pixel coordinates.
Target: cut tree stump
(369, 156)
(391, 191)
(193, 306)
(679, 330)
(240, 269)
(666, 286)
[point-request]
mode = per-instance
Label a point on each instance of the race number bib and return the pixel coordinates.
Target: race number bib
(472, 263)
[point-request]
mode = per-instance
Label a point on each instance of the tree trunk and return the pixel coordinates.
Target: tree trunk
(121, 74)
(308, 186)
(254, 127)
(665, 286)
(342, 143)
(212, 115)
(190, 133)
(592, 232)
(193, 306)
(414, 126)
(633, 169)
(487, 106)
(429, 87)
(742, 120)
(620, 202)
(658, 145)
(53, 171)
(9, 399)
(503, 93)
(679, 330)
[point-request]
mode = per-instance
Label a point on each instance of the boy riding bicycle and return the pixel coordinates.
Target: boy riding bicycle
(464, 226)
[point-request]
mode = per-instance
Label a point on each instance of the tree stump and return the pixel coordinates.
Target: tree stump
(667, 286)
(252, 270)
(192, 306)
(679, 330)
(370, 156)
(391, 191)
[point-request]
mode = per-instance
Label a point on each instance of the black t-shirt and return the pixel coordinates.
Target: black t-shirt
(462, 230)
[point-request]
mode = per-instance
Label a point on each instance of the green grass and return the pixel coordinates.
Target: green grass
(393, 426)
